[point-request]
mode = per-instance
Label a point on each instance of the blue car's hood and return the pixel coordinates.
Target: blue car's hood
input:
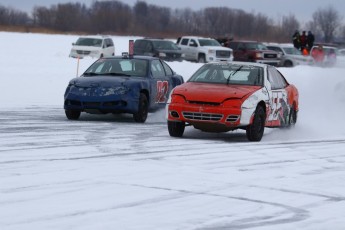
(92, 87)
(102, 81)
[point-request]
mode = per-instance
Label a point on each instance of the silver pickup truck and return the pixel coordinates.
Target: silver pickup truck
(203, 50)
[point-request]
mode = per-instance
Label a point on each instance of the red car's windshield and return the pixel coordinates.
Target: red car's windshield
(229, 74)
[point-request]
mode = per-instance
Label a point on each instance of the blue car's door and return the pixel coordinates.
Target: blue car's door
(161, 83)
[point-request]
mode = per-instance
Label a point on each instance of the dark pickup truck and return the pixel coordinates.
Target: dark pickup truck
(252, 51)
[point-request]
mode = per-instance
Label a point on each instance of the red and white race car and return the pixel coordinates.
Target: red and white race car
(221, 97)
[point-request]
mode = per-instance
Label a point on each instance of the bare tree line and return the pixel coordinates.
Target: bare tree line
(115, 17)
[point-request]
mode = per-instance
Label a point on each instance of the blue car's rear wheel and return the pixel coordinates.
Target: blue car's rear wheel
(143, 109)
(72, 114)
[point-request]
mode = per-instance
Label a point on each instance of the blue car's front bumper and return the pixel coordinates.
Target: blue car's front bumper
(100, 101)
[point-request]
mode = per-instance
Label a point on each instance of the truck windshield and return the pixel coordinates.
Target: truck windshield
(256, 46)
(208, 42)
(165, 45)
(89, 42)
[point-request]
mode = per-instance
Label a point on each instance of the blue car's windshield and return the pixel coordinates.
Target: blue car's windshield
(209, 42)
(118, 67)
(229, 74)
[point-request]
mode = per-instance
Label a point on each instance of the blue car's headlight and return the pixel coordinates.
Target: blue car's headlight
(71, 83)
(68, 88)
(117, 90)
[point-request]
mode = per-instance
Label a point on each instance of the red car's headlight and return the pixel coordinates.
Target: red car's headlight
(234, 103)
(176, 98)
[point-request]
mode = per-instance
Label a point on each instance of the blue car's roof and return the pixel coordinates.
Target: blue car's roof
(133, 57)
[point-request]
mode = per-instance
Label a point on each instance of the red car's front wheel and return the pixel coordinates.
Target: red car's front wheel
(255, 131)
(176, 128)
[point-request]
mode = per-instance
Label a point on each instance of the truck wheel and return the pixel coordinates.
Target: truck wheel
(143, 110)
(176, 129)
(201, 58)
(288, 64)
(255, 131)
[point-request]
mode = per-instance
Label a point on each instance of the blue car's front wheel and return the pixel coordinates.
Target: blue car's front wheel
(72, 114)
(143, 109)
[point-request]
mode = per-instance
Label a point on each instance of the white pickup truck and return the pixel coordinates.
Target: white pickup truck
(203, 50)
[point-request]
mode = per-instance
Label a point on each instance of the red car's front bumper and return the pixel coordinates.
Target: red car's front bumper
(205, 117)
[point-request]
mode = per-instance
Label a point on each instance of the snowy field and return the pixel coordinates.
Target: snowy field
(108, 172)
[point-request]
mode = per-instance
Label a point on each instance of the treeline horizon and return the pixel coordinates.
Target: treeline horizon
(118, 18)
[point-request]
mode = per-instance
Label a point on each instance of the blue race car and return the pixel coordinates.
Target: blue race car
(128, 84)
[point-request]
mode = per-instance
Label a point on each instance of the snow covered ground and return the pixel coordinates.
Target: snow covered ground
(108, 172)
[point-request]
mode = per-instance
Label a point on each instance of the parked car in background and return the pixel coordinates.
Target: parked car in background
(341, 58)
(290, 56)
(93, 46)
(220, 97)
(342, 52)
(224, 41)
(164, 49)
(253, 51)
(331, 54)
(199, 49)
(134, 85)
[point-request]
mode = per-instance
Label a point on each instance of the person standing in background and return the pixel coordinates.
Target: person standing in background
(303, 39)
(310, 40)
(305, 51)
(296, 40)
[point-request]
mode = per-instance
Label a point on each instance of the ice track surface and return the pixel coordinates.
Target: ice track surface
(108, 172)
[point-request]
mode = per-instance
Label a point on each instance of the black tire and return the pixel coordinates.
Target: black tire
(201, 58)
(143, 109)
(288, 64)
(176, 129)
(72, 114)
(292, 117)
(255, 131)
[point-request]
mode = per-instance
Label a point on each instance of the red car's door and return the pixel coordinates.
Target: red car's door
(280, 103)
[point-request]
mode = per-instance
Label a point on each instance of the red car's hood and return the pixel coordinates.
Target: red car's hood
(217, 93)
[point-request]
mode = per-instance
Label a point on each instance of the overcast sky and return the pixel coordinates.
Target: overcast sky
(302, 9)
